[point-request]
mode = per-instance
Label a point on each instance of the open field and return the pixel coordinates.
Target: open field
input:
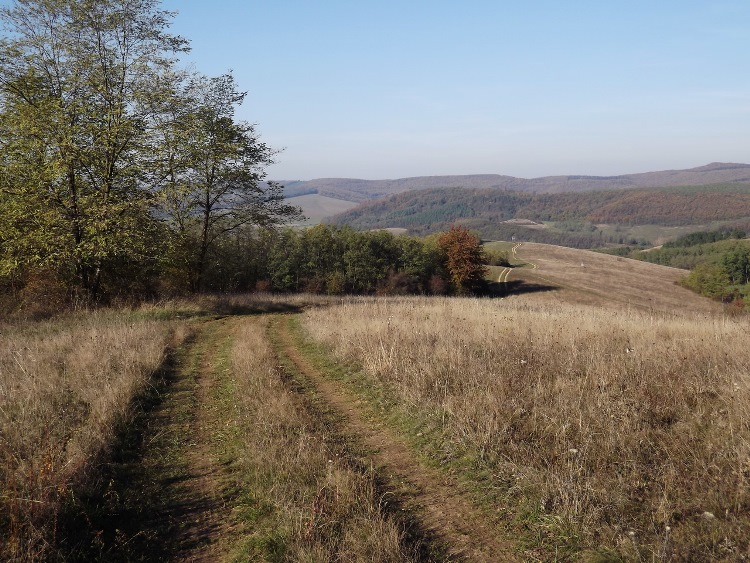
(65, 388)
(317, 207)
(174, 432)
(596, 433)
(586, 277)
(590, 421)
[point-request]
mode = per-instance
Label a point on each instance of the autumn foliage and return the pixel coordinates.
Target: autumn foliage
(464, 259)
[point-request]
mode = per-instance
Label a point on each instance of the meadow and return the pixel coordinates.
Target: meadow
(66, 387)
(599, 433)
(581, 432)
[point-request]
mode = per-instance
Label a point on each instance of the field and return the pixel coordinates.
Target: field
(586, 277)
(317, 207)
(595, 413)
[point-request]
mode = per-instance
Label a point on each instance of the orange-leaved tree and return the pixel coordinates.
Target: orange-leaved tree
(464, 259)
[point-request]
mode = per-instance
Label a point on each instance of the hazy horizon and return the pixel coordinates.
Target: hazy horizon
(394, 90)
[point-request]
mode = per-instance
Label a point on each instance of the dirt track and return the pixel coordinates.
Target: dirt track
(169, 495)
(442, 511)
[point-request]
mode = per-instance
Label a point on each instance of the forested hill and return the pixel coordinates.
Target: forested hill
(361, 190)
(489, 211)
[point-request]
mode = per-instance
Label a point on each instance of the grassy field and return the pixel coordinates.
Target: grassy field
(598, 433)
(66, 387)
(592, 278)
(597, 412)
(173, 432)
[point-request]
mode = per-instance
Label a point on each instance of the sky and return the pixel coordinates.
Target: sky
(397, 88)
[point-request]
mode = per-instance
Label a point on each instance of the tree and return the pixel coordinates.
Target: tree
(215, 174)
(737, 265)
(77, 84)
(464, 259)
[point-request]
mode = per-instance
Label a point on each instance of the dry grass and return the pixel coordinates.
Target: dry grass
(607, 433)
(304, 501)
(594, 278)
(65, 386)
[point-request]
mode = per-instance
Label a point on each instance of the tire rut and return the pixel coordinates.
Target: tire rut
(433, 496)
(205, 528)
(165, 500)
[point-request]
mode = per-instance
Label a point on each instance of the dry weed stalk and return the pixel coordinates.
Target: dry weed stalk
(65, 386)
(609, 421)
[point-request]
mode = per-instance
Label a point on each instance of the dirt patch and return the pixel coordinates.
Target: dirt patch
(430, 494)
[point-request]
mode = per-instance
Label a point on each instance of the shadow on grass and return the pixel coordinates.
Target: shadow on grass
(138, 504)
(517, 287)
(221, 307)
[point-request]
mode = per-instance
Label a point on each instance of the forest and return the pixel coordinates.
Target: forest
(573, 219)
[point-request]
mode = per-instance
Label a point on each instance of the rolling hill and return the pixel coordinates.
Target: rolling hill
(317, 207)
(577, 219)
(592, 278)
(358, 190)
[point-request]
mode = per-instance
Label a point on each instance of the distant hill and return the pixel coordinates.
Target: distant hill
(577, 219)
(316, 207)
(356, 190)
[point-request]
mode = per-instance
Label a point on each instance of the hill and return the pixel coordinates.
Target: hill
(352, 189)
(586, 277)
(317, 207)
(579, 219)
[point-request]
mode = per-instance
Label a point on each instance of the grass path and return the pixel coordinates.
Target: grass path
(430, 495)
(198, 479)
(165, 497)
(229, 464)
(505, 273)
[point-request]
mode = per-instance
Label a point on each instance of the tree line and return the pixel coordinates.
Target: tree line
(338, 260)
(117, 167)
(122, 174)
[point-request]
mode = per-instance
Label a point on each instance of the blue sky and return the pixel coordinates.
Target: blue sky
(388, 89)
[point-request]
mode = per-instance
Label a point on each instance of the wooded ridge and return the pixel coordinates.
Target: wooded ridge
(353, 189)
(490, 212)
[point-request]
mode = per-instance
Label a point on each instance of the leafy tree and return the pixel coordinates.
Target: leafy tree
(77, 78)
(711, 281)
(215, 174)
(368, 259)
(737, 265)
(464, 259)
(419, 259)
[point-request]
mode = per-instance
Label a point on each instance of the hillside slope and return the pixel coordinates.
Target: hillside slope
(317, 207)
(586, 277)
(353, 189)
(577, 216)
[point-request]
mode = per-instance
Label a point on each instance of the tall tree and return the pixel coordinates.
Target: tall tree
(216, 176)
(77, 84)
